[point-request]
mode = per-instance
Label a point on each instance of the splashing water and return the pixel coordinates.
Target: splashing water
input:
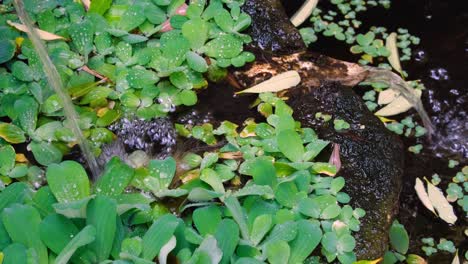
(397, 83)
(55, 82)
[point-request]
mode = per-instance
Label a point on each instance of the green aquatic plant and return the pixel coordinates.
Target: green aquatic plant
(115, 59)
(288, 207)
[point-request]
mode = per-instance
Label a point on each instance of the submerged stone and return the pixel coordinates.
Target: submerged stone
(371, 159)
(271, 28)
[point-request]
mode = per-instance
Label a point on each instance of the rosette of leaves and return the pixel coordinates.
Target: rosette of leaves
(113, 58)
(371, 47)
(158, 69)
(286, 209)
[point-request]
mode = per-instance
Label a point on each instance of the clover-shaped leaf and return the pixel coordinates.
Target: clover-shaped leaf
(68, 181)
(196, 62)
(82, 35)
(141, 77)
(224, 47)
(7, 159)
(365, 40)
(196, 32)
(132, 18)
(7, 50)
(224, 20)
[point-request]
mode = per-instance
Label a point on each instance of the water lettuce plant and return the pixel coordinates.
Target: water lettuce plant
(117, 58)
(287, 209)
(261, 194)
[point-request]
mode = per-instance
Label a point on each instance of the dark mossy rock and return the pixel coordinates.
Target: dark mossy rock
(271, 29)
(371, 156)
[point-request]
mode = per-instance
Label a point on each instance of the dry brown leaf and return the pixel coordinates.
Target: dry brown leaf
(398, 105)
(423, 196)
(276, 83)
(440, 203)
(304, 12)
(42, 34)
(394, 58)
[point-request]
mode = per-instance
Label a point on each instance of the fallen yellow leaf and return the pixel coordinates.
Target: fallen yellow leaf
(304, 12)
(394, 58)
(20, 157)
(423, 196)
(398, 105)
(386, 120)
(102, 111)
(276, 83)
(19, 41)
(440, 203)
(375, 261)
(41, 33)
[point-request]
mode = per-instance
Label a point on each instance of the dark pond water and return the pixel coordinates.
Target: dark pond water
(441, 63)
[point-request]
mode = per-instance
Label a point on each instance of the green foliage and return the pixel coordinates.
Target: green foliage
(284, 212)
(142, 59)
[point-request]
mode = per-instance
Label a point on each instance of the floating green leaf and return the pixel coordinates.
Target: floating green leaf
(15, 254)
(68, 181)
(196, 62)
(238, 214)
(263, 172)
(207, 219)
(308, 237)
(196, 32)
(132, 18)
(22, 71)
(101, 213)
(14, 193)
(290, 143)
(84, 237)
(399, 237)
(158, 235)
(7, 50)
(22, 224)
(99, 6)
(227, 237)
(56, 231)
(286, 231)
(7, 159)
(116, 177)
(11, 133)
(45, 153)
(224, 47)
(278, 252)
(260, 228)
(82, 35)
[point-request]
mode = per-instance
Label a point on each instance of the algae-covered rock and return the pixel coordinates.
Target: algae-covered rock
(371, 157)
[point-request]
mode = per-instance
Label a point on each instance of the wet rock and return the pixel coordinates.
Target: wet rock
(271, 28)
(371, 157)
